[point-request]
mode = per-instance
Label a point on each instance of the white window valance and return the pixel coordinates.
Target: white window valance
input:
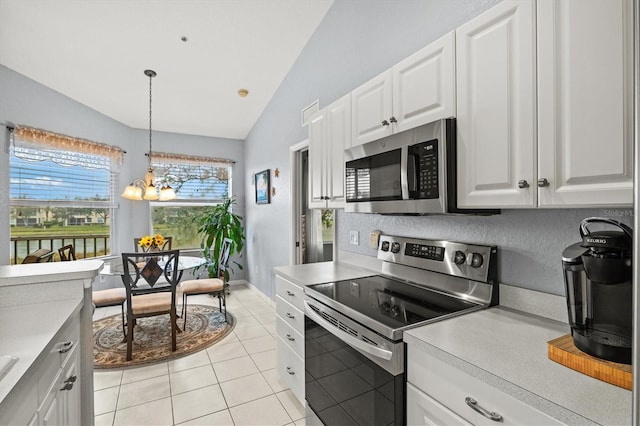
(33, 144)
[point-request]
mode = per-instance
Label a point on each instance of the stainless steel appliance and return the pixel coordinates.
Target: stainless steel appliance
(597, 275)
(354, 351)
(412, 172)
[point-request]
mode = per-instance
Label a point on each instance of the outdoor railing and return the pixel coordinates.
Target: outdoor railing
(85, 245)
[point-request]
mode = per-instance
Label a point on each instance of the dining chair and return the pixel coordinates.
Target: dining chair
(111, 297)
(67, 253)
(39, 256)
(146, 295)
(165, 246)
(213, 286)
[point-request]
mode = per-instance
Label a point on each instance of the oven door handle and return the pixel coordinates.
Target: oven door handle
(345, 337)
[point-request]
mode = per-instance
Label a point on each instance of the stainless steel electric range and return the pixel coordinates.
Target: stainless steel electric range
(354, 352)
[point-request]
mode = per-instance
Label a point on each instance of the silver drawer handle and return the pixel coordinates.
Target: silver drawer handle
(67, 386)
(491, 415)
(291, 339)
(290, 371)
(289, 293)
(66, 347)
(290, 316)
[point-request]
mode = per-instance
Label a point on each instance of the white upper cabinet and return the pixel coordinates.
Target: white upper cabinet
(585, 89)
(424, 85)
(329, 134)
(416, 91)
(575, 148)
(371, 112)
(496, 101)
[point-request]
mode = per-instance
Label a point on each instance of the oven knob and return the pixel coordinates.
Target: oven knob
(385, 307)
(474, 260)
(385, 246)
(395, 247)
(459, 257)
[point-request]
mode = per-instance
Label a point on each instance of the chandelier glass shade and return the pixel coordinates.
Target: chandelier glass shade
(146, 189)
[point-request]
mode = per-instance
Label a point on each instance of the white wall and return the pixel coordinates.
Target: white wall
(24, 101)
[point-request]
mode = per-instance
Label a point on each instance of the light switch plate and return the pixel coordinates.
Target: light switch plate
(374, 239)
(353, 238)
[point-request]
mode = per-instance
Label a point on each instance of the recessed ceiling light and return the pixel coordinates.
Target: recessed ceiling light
(243, 93)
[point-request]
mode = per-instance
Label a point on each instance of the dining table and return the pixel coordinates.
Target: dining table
(113, 266)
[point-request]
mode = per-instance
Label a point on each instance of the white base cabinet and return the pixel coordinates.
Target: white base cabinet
(439, 394)
(290, 335)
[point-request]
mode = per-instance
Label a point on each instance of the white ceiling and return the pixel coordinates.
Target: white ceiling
(95, 52)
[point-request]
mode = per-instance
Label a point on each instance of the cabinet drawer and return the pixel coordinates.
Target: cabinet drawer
(450, 386)
(291, 369)
(424, 410)
(56, 354)
(290, 292)
(294, 339)
(290, 314)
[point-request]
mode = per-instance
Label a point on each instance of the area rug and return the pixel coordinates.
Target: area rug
(152, 337)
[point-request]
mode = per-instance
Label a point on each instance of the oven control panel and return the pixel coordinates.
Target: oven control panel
(470, 261)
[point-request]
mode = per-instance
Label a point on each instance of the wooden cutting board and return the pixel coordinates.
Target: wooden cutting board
(563, 351)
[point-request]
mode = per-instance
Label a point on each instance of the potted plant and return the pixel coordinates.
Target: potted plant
(215, 224)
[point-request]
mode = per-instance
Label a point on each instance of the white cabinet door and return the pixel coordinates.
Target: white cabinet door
(371, 109)
(422, 410)
(585, 88)
(424, 85)
(51, 411)
(496, 99)
(71, 395)
(317, 137)
(338, 139)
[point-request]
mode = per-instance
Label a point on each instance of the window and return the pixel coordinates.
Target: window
(198, 182)
(61, 192)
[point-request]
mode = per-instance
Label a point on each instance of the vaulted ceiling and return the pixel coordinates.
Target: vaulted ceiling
(203, 51)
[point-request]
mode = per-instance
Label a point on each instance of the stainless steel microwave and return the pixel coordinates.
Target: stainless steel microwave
(413, 172)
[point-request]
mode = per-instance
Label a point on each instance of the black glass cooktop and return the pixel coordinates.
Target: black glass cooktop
(393, 303)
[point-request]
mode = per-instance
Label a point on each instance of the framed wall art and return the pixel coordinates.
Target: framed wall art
(262, 184)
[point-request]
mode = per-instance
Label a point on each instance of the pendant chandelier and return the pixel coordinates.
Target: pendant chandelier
(146, 189)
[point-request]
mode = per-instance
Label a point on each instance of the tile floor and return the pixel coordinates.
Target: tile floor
(233, 382)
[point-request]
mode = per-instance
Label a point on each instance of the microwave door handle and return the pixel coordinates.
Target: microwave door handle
(412, 173)
(404, 184)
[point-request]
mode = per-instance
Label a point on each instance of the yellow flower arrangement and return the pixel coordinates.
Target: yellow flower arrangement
(151, 242)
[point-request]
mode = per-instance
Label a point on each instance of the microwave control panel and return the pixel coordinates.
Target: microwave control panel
(423, 159)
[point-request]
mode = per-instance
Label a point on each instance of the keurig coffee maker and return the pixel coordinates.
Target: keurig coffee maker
(597, 276)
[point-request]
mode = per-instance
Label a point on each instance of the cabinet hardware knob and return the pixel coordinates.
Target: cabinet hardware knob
(385, 123)
(290, 316)
(393, 120)
(290, 371)
(71, 379)
(289, 338)
(290, 293)
(491, 415)
(523, 184)
(67, 386)
(543, 182)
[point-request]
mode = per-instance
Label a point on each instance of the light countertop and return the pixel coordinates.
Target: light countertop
(507, 349)
(322, 272)
(26, 330)
(11, 275)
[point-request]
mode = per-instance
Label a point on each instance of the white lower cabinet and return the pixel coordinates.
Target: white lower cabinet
(50, 394)
(290, 335)
(438, 393)
(422, 410)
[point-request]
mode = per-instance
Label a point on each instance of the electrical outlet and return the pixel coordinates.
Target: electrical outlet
(353, 238)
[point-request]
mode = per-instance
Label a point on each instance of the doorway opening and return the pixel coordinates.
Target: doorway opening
(313, 230)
